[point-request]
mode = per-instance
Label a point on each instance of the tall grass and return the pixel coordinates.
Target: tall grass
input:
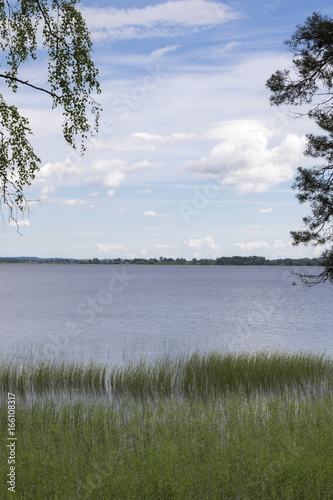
(53, 378)
(216, 374)
(194, 376)
(233, 449)
(216, 426)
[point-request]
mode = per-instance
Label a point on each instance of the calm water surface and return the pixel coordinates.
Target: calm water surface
(117, 313)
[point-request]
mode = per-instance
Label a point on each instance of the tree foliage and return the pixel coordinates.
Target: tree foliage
(36, 27)
(310, 87)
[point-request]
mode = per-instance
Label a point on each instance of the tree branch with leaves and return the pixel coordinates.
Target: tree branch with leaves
(311, 87)
(72, 80)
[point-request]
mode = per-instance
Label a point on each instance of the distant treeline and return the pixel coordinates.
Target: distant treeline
(220, 261)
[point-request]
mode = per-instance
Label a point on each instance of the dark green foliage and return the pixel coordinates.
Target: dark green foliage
(71, 80)
(311, 88)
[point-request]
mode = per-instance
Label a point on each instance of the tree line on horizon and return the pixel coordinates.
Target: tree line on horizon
(236, 260)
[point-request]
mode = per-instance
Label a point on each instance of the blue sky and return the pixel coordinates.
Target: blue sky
(191, 160)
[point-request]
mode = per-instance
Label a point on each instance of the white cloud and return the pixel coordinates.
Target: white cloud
(250, 156)
(152, 213)
(108, 249)
(68, 202)
(266, 211)
(109, 179)
(160, 245)
(251, 245)
(280, 244)
(123, 144)
(145, 191)
(71, 202)
(107, 165)
(160, 139)
(156, 54)
(164, 19)
(20, 223)
(47, 190)
(143, 165)
(199, 242)
(58, 171)
(112, 173)
(228, 47)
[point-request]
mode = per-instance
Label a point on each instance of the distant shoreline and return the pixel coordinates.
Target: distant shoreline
(169, 261)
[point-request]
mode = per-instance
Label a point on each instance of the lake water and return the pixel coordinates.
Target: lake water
(119, 313)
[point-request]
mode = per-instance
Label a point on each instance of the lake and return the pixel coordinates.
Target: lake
(120, 313)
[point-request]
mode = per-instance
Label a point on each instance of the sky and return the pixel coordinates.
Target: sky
(190, 160)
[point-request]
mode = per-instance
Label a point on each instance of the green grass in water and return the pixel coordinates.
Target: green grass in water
(192, 428)
(194, 376)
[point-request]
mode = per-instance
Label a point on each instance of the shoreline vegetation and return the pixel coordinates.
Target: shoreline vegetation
(216, 426)
(236, 260)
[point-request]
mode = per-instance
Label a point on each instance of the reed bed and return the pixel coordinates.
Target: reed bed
(227, 448)
(194, 376)
(222, 373)
(53, 378)
(215, 426)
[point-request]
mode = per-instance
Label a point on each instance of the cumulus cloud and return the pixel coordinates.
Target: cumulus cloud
(58, 171)
(251, 245)
(170, 18)
(250, 156)
(152, 213)
(109, 173)
(47, 190)
(266, 211)
(199, 242)
(71, 202)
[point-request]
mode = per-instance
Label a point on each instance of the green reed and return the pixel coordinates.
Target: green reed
(216, 426)
(53, 378)
(224, 448)
(196, 375)
(221, 373)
